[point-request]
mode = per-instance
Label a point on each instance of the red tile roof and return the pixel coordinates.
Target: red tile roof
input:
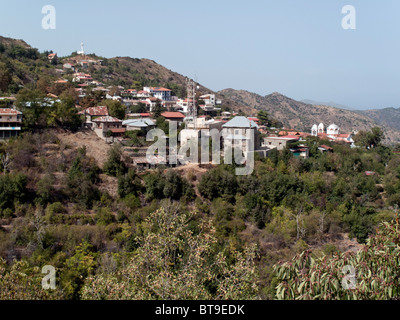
(97, 111)
(118, 130)
(172, 115)
(325, 147)
(159, 89)
(9, 111)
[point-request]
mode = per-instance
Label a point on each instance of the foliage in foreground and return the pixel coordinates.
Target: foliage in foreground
(174, 262)
(23, 282)
(377, 269)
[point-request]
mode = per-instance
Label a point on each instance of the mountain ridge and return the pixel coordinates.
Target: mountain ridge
(301, 116)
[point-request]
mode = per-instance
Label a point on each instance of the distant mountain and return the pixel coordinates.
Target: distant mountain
(301, 116)
(330, 104)
(386, 117)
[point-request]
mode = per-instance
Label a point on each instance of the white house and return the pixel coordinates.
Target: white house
(163, 94)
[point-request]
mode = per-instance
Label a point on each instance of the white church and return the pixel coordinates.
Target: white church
(332, 133)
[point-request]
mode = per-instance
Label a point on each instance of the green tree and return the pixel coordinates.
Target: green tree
(263, 116)
(129, 184)
(376, 268)
(115, 109)
(174, 262)
(114, 165)
(76, 269)
(369, 139)
(5, 77)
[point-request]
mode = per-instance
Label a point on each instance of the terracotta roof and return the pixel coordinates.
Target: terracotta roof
(159, 89)
(325, 147)
(172, 115)
(97, 111)
(118, 130)
(9, 111)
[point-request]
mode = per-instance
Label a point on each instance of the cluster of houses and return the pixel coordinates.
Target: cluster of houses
(233, 127)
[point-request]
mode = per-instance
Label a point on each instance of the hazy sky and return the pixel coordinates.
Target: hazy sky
(295, 47)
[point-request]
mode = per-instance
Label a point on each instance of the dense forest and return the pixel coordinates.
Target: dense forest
(168, 235)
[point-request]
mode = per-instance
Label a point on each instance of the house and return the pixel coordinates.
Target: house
(301, 151)
(209, 99)
(68, 66)
(239, 129)
(152, 102)
(173, 116)
(324, 148)
(183, 104)
(61, 81)
(225, 115)
(129, 93)
(104, 125)
(163, 94)
(143, 94)
(10, 123)
(279, 142)
(169, 104)
(138, 124)
(52, 57)
(80, 76)
(256, 120)
(93, 113)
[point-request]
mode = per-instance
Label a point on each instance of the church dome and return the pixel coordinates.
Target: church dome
(333, 129)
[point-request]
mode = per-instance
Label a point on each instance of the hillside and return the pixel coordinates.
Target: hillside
(20, 64)
(301, 116)
(330, 104)
(136, 73)
(387, 117)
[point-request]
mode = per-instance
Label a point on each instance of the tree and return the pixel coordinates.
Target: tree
(263, 116)
(22, 281)
(369, 139)
(66, 114)
(129, 184)
(157, 110)
(174, 262)
(115, 109)
(217, 183)
(32, 105)
(77, 268)
(114, 165)
(5, 77)
(138, 108)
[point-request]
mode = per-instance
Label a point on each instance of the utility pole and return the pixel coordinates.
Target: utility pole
(191, 103)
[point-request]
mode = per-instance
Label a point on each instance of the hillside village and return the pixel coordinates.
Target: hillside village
(147, 107)
(77, 189)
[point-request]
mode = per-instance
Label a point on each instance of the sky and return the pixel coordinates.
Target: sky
(296, 47)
